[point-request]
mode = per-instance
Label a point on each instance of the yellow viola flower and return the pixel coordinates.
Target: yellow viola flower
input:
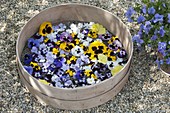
(102, 58)
(94, 76)
(98, 28)
(92, 34)
(111, 55)
(46, 40)
(35, 66)
(55, 51)
(73, 58)
(70, 72)
(112, 39)
(44, 82)
(45, 28)
(58, 43)
(97, 47)
(73, 34)
(87, 73)
(116, 69)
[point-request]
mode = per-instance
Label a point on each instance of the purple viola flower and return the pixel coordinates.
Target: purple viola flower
(122, 54)
(62, 27)
(115, 45)
(168, 61)
(66, 37)
(85, 31)
(162, 31)
(79, 75)
(154, 37)
(66, 80)
(144, 10)
(106, 36)
(137, 39)
(158, 18)
(32, 42)
(141, 19)
(151, 10)
(41, 39)
(147, 27)
(29, 69)
(168, 17)
(27, 59)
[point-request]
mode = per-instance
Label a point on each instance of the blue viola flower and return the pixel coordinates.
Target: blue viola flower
(34, 49)
(151, 10)
(137, 39)
(141, 19)
(29, 69)
(169, 18)
(162, 31)
(168, 60)
(79, 75)
(27, 59)
(57, 63)
(32, 42)
(144, 10)
(158, 18)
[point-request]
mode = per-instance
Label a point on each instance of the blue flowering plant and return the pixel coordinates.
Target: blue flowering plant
(153, 18)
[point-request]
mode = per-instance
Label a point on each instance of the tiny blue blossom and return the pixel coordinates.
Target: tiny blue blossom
(161, 31)
(147, 27)
(158, 18)
(151, 10)
(137, 39)
(129, 13)
(154, 37)
(169, 18)
(144, 10)
(168, 60)
(141, 19)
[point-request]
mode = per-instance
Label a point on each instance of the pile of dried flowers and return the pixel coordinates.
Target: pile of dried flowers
(74, 54)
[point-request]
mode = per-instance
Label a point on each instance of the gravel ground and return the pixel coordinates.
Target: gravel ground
(147, 90)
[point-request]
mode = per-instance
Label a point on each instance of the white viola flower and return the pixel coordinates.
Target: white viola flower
(100, 40)
(52, 36)
(69, 31)
(80, 25)
(74, 28)
(80, 35)
(88, 25)
(85, 58)
(90, 80)
(86, 41)
(77, 51)
(86, 68)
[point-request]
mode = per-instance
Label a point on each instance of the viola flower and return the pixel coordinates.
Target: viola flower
(52, 37)
(112, 39)
(116, 69)
(44, 81)
(27, 59)
(115, 45)
(29, 69)
(122, 53)
(34, 50)
(66, 47)
(71, 72)
(98, 28)
(45, 28)
(77, 51)
(37, 75)
(97, 47)
(33, 42)
(35, 66)
(62, 27)
(102, 58)
(72, 60)
(91, 80)
(111, 55)
(111, 64)
(66, 37)
(74, 28)
(92, 34)
(106, 36)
